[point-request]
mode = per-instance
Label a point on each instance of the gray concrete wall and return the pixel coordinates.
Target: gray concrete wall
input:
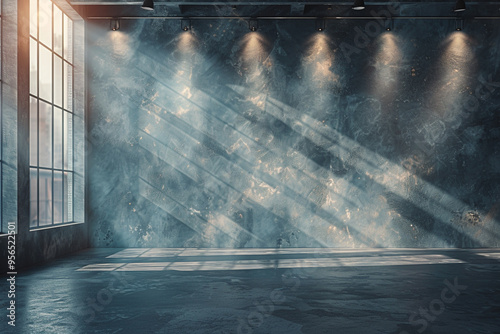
(9, 123)
(354, 137)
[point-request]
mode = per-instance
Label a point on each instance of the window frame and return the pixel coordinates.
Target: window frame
(67, 111)
(3, 229)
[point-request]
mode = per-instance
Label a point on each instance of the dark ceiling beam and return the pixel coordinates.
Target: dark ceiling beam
(297, 8)
(172, 9)
(267, 3)
(278, 8)
(361, 18)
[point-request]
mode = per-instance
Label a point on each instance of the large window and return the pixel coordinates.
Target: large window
(51, 115)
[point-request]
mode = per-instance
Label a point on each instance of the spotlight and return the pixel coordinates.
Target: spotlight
(459, 24)
(253, 25)
(459, 6)
(358, 5)
(114, 24)
(148, 5)
(389, 24)
(185, 24)
(320, 25)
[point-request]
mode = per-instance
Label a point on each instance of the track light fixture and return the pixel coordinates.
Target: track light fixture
(459, 6)
(320, 25)
(114, 24)
(253, 24)
(459, 24)
(358, 5)
(148, 5)
(389, 24)
(185, 24)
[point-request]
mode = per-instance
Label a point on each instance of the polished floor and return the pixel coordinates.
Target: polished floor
(265, 291)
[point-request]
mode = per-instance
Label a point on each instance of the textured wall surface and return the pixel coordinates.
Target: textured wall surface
(354, 137)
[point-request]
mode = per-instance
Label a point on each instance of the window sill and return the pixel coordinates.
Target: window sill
(48, 227)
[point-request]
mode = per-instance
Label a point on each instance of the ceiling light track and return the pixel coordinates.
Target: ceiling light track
(192, 18)
(267, 3)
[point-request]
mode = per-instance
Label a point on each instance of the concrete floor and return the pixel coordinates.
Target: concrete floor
(260, 291)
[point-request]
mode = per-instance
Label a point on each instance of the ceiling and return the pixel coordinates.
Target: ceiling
(95, 9)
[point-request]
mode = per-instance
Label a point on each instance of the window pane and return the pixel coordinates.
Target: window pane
(33, 18)
(45, 76)
(68, 87)
(68, 197)
(58, 197)
(33, 197)
(68, 141)
(68, 39)
(33, 67)
(45, 134)
(45, 199)
(33, 132)
(45, 22)
(58, 138)
(58, 78)
(58, 30)
(1, 148)
(0, 62)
